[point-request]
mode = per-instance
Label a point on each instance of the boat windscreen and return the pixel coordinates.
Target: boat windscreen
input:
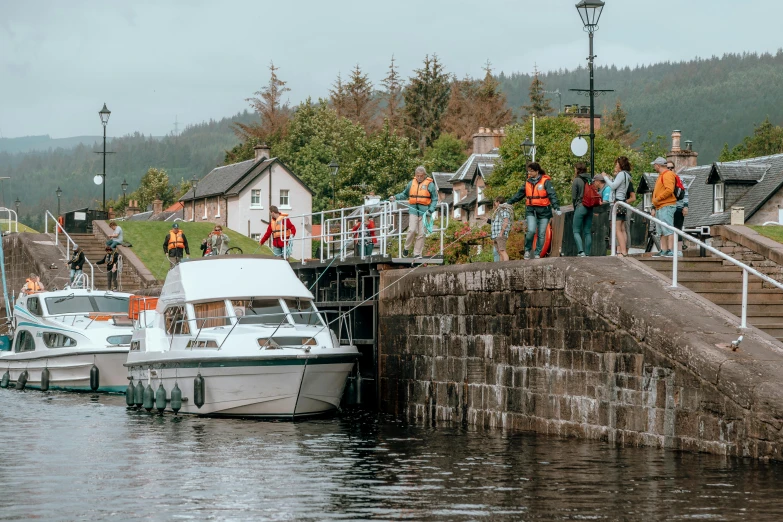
(76, 304)
(111, 303)
(303, 311)
(259, 310)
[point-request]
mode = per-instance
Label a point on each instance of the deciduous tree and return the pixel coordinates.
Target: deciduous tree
(446, 154)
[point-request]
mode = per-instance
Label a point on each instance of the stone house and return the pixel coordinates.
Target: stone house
(238, 196)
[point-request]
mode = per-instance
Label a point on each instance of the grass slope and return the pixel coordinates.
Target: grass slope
(147, 239)
(22, 227)
(775, 233)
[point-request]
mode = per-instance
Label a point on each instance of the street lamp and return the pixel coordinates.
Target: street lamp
(193, 183)
(124, 190)
(17, 203)
(59, 193)
(104, 114)
(528, 148)
(334, 167)
(590, 12)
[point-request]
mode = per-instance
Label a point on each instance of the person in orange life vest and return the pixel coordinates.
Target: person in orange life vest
(282, 231)
(422, 200)
(32, 285)
(540, 199)
(174, 245)
(369, 239)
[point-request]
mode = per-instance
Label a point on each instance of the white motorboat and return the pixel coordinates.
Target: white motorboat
(240, 336)
(67, 332)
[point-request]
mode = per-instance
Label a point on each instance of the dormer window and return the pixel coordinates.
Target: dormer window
(717, 192)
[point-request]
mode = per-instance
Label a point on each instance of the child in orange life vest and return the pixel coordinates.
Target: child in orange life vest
(32, 285)
(422, 199)
(282, 231)
(540, 199)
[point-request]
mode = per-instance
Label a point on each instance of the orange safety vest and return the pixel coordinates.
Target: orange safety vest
(420, 192)
(536, 194)
(175, 239)
(33, 286)
(278, 226)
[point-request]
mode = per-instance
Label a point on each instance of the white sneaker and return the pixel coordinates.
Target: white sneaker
(527, 254)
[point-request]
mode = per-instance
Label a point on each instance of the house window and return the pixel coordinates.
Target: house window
(205, 208)
(255, 199)
(457, 213)
(284, 199)
(718, 198)
(480, 197)
(217, 201)
(456, 198)
(647, 201)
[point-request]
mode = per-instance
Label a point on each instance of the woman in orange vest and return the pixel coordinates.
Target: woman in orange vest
(540, 199)
(174, 244)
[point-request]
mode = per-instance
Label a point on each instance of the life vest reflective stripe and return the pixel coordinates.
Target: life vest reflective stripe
(420, 192)
(536, 194)
(33, 286)
(278, 227)
(175, 239)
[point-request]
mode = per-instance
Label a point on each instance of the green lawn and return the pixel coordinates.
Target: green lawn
(22, 227)
(773, 232)
(147, 239)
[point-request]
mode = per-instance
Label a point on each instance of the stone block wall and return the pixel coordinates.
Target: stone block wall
(573, 347)
(212, 204)
(753, 249)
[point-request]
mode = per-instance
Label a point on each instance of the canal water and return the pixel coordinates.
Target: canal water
(84, 457)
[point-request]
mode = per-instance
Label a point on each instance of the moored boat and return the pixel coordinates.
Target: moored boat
(240, 336)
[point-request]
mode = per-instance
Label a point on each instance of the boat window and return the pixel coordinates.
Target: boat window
(24, 341)
(57, 340)
(303, 311)
(210, 314)
(259, 310)
(34, 305)
(74, 304)
(176, 320)
(111, 303)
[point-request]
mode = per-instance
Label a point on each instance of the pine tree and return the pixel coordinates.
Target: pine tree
(539, 103)
(361, 105)
(426, 99)
(338, 96)
(392, 98)
(269, 105)
(618, 128)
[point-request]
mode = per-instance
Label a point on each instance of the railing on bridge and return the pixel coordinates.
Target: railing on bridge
(339, 229)
(745, 268)
(83, 281)
(12, 220)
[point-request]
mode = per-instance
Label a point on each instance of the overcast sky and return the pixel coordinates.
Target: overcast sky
(152, 61)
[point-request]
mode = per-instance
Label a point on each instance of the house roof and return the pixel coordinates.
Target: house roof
(468, 200)
(484, 164)
(175, 207)
(441, 180)
(737, 172)
(166, 215)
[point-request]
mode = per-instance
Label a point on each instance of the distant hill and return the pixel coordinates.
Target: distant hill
(712, 101)
(41, 143)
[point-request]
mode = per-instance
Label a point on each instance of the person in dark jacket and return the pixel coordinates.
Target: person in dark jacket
(75, 264)
(583, 216)
(174, 245)
(111, 260)
(540, 199)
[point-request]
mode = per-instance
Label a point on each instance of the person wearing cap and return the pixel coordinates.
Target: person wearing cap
(32, 285)
(75, 264)
(111, 260)
(174, 245)
(282, 231)
(602, 187)
(664, 205)
(116, 238)
(680, 212)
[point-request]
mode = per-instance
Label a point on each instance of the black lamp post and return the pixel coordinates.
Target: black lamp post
(104, 114)
(193, 183)
(17, 203)
(59, 193)
(334, 167)
(528, 148)
(590, 12)
(124, 190)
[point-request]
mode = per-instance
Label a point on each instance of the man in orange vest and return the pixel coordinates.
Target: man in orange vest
(174, 245)
(282, 231)
(32, 285)
(540, 199)
(422, 200)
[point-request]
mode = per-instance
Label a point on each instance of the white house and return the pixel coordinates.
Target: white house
(238, 196)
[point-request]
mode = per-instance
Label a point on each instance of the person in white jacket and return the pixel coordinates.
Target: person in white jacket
(619, 191)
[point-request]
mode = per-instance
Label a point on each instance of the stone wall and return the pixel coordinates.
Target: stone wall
(575, 347)
(136, 275)
(750, 247)
(214, 206)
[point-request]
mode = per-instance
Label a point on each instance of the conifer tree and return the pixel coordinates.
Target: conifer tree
(617, 127)
(426, 99)
(338, 95)
(392, 98)
(273, 111)
(539, 103)
(361, 105)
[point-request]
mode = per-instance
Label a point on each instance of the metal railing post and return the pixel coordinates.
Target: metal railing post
(674, 259)
(361, 241)
(342, 234)
(744, 319)
(323, 243)
(614, 230)
(302, 259)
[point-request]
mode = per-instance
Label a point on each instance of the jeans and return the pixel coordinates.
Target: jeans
(113, 243)
(535, 225)
(357, 249)
(278, 251)
(495, 254)
(76, 274)
(582, 228)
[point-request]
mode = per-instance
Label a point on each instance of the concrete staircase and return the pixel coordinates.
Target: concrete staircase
(95, 248)
(721, 282)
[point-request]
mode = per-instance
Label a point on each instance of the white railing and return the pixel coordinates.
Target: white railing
(69, 244)
(13, 219)
(745, 268)
(337, 233)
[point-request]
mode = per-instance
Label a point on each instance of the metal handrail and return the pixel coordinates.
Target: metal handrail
(745, 268)
(68, 242)
(15, 221)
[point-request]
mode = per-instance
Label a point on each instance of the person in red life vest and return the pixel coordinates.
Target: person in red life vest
(369, 240)
(282, 231)
(422, 199)
(174, 245)
(540, 199)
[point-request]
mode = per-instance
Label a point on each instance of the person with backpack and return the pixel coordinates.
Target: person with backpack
(680, 212)
(620, 189)
(584, 198)
(664, 202)
(540, 199)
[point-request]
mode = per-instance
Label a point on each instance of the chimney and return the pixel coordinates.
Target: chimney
(682, 158)
(689, 145)
(157, 207)
(262, 151)
(132, 208)
(111, 213)
(487, 139)
(676, 135)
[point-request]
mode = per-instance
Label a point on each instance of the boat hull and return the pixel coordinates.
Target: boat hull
(255, 387)
(71, 371)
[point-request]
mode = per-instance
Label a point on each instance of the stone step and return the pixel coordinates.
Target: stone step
(685, 277)
(756, 310)
(722, 286)
(736, 298)
(666, 266)
(765, 323)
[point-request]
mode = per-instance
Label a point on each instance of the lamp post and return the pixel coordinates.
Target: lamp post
(528, 148)
(59, 193)
(334, 167)
(17, 203)
(193, 183)
(104, 114)
(590, 12)
(124, 190)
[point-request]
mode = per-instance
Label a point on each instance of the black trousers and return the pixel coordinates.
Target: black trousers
(112, 279)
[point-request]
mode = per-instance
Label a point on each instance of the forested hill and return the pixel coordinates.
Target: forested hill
(712, 101)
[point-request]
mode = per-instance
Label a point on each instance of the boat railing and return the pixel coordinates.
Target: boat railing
(341, 228)
(13, 219)
(69, 245)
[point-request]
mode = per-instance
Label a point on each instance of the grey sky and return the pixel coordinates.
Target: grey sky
(153, 60)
